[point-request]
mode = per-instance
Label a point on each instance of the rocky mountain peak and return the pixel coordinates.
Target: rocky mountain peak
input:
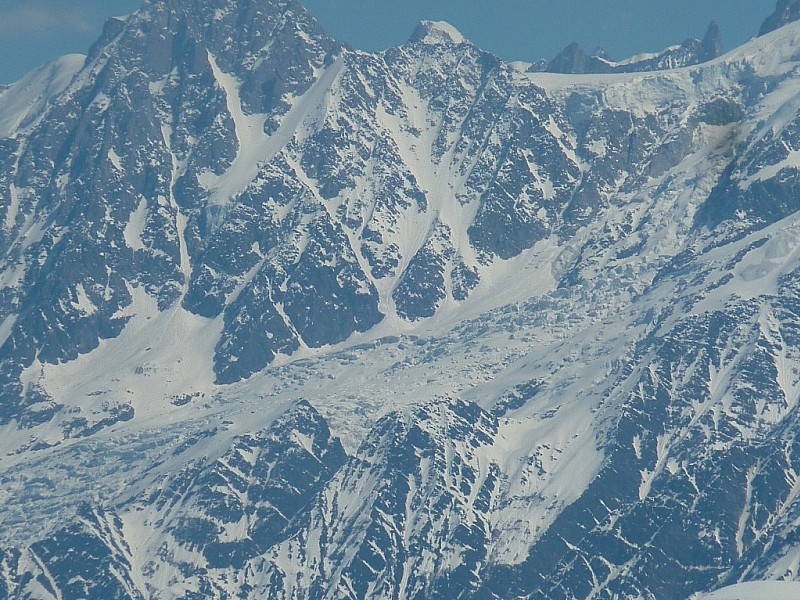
(786, 11)
(221, 7)
(242, 27)
(711, 46)
(571, 59)
(436, 33)
(273, 47)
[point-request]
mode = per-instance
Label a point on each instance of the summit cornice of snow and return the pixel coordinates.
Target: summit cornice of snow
(436, 33)
(786, 11)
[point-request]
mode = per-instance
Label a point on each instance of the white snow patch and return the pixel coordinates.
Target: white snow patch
(12, 275)
(181, 220)
(786, 567)
(34, 234)
(598, 147)
(744, 517)
(759, 271)
(82, 303)
(565, 448)
(256, 148)
(158, 355)
(115, 160)
(135, 227)
(6, 327)
(647, 476)
(757, 590)
(521, 66)
(305, 441)
(13, 207)
(643, 56)
(792, 161)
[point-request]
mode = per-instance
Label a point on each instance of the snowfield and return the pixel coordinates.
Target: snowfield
(757, 590)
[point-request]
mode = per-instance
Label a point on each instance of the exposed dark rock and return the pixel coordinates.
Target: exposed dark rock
(786, 11)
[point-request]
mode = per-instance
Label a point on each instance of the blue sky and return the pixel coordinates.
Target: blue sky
(34, 31)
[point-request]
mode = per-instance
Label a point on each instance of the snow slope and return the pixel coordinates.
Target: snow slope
(757, 590)
(22, 102)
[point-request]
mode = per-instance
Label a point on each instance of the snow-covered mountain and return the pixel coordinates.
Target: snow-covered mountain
(283, 319)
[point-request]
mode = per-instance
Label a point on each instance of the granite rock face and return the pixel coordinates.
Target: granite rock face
(787, 11)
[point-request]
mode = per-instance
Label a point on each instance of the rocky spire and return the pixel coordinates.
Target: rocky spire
(711, 46)
(571, 59)
(786, 11)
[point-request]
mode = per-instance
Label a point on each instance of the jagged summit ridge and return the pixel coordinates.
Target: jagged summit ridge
(435, 33)
(574, 60)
